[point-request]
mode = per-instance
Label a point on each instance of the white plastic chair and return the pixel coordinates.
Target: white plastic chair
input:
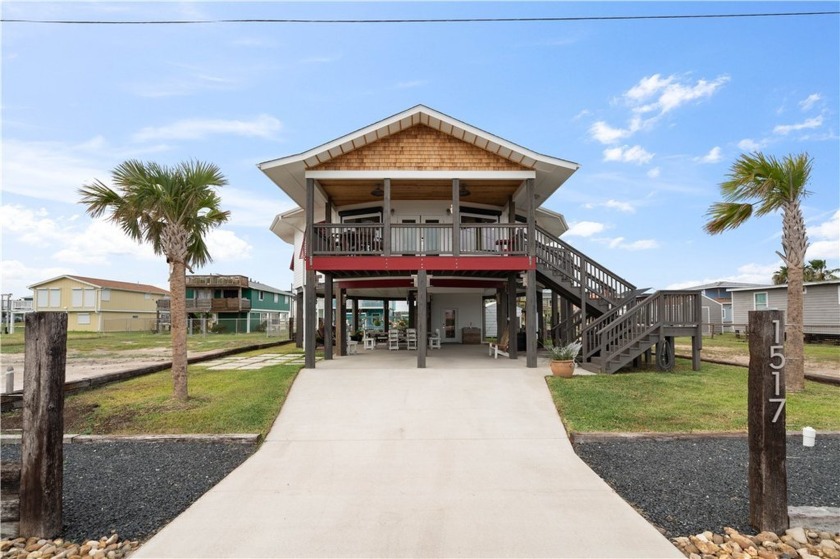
(369, 341)
(393, 339)
(352, 345)
(434, 340)
(411, 338)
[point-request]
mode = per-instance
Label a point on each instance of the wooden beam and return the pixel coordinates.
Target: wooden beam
(766, 421)
(386, 218)
(341, 321)
(299, 319)
(310, 321)
(513, 329)
(422, 328)
(531, 318)
(412, 308)
(456, 217)
(42, 445)
(354, 305)
(532, 218)
(555, 319)
(328, 316)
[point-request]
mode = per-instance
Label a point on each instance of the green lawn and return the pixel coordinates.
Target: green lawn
(819, 352)
(713, 399)
(231, 401)
(95, 342)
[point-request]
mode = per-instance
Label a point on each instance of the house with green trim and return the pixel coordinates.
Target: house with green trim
(237, 303)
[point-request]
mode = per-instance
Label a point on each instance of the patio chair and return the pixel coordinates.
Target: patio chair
(352, 345)
(368, 341)
(501, 346)
(411, 338)
(393, 339)
(434, 339)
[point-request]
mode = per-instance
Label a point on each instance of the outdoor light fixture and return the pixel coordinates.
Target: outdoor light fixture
(377, 191)
(463, 191)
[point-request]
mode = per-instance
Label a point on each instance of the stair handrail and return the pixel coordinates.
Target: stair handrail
(595, 283)
(660, 309)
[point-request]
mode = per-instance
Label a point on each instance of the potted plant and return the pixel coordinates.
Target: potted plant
(563, 358)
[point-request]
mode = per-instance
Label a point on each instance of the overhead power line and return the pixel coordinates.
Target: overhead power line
(424, 20)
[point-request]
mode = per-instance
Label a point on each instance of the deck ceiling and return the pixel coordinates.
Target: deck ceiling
(349, 192)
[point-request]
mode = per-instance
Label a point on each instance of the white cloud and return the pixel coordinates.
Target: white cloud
(662, 95)
(655, 96)
(747, 273)
(748, 144)
(809, 124)
(621, 243)
(223, 245)
(48, 170)
(654, 173)
(410, 84)
(249, 210)
(17, 276)
(584, 229)
(262, 126)
(625, 207)
(625, 154)
(98, 243)
(713, 156)
(606, 134)
(825, 239)
(807, 103)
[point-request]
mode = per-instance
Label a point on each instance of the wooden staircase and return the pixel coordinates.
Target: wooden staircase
(615, 324)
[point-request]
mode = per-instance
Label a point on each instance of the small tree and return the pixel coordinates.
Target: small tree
(760, 184)
(171, 208)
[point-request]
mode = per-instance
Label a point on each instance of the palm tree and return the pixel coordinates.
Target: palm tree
(817, 270)
(759, 184)
(780, 276)
(172, 208)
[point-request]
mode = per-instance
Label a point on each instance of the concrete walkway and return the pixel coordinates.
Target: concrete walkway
(371, 457)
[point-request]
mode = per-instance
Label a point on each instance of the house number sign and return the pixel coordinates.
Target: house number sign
(777, 370)
(766, 421)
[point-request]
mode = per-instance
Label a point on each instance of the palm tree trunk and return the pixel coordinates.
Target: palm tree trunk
(177, 286)
(795, 243)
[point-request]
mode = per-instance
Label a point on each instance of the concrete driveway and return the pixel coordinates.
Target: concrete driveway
(393, 461)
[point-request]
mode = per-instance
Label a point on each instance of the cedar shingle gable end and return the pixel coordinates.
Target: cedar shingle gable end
(419, 148)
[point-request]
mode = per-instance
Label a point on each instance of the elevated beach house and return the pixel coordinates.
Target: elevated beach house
(430, 210)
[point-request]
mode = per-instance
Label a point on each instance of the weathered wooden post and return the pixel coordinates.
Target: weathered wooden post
(766, 422)
(42, 450)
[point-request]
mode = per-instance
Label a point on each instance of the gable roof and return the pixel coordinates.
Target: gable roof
(107, 284)
(784, 285)
(724, 284)
(289, 173)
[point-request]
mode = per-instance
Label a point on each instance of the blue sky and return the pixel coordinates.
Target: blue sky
(653, 111)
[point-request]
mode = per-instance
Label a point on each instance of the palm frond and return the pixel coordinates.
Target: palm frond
(726, 215)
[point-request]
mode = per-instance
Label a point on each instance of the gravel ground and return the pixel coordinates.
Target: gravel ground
(135, 488)
(682, 486)
(688, 486)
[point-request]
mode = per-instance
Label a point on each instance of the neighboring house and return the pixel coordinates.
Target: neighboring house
(14, 310)
(238, 304)
(713, 314)
(719, 291)
(100, 305)
(426, 209)
(821, 306)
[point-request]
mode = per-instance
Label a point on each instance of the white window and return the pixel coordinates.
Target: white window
(261, 295)
(106, 294)
(147, 295)
(760, 301)
(276, 298)
(726, 313)
(84, 297)
(83, 318)
(55, 298)
(43, 298)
